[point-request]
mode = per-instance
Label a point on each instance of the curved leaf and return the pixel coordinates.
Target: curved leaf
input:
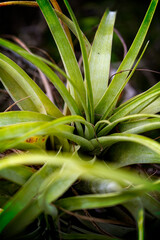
(89, 93)
(99, 200)
(56, 127)
(20, 85)
(127, 120)
(140, 126)
(48, 72)
(64, 47)
(103, 142)
(140, 103)
(10, 118)
(118, 81)
(124, 154)
(100, 56)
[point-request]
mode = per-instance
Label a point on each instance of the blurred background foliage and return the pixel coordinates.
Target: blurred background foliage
(28, 24)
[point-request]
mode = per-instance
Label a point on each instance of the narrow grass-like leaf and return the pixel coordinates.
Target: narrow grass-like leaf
(65, 27)
(103, 142)
(13, 77)
(135, 207)
(140, 223)
(151, 204)
(89, 96)
(99, 200)
(153, 107)
(100, 56)
(124, 154)
(72, 27)
(118, 81)
(32, 187)
(97, 169)
(140, 126)
(55, 127)
(139, 96)
(9, 135)
(48, 72)
(24, 196)
(125, 82)
(19, 174)
(64, 47)
(127, 120)
(76, 88)
(10, 118)
(141, 102)
(54, 186)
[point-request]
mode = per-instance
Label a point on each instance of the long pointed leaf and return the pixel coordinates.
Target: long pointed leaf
(20, 85)
(140, 126)
(100, 56)
(140, 102)
(85, 63)
(65, 49)
(9, 118)
(105, 104)
(111, 125)
(48, 72)
(103, 142)
(55, 127)
(124, 154)
(58, 183)
(24, 196)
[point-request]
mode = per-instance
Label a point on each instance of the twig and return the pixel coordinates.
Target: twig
(7, 109)
(122, 41)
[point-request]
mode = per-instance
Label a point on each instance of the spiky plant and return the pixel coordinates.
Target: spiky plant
(85, 132)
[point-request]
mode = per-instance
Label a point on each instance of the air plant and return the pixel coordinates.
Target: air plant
(81, 143)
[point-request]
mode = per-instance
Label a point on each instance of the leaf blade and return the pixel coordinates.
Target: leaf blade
(20, 85)
(100, 56)
(63, 45)
(118, 81)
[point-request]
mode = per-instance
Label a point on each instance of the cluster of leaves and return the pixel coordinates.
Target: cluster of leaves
(84, 132)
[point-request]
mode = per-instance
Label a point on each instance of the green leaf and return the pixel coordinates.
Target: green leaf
(151, 204)
(140, 126)
(20, 85)
(118, 81)
(124, 154)
(135, 206)
(127, 120)
(52, 187)
(153, 107)
(72, 27)
(64, 47)
(103, 142)
(98, 200)
(48, 72)
(140, 96)
(19, 174)
(85, 167)
(139, 102)
(100, 56)
(76, 88)
(10, 118)
(85, 63)
(24, 196)
(22, 131)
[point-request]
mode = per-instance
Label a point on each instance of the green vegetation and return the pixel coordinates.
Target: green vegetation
(71, 161)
